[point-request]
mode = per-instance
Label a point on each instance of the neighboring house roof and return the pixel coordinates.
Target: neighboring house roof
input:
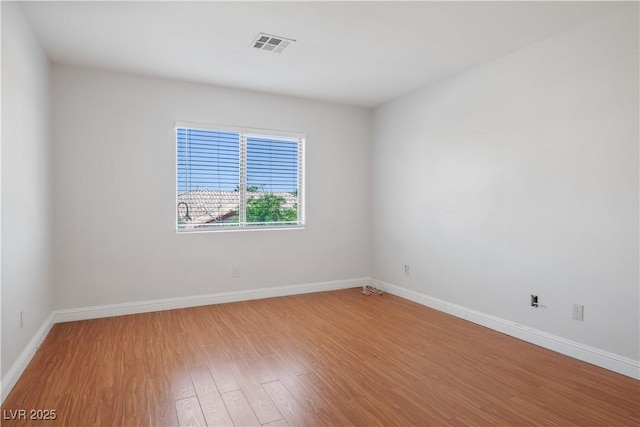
(207, 206)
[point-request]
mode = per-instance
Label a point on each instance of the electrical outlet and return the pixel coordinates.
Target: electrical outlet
(534, 301)
(21, 318)
(406, 270)
(578, 312)
(235, 272)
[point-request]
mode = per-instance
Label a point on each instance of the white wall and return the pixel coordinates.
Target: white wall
(26, 188)
(519, 177)
(114, 156)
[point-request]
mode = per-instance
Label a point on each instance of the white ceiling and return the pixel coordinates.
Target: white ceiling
(358, 53)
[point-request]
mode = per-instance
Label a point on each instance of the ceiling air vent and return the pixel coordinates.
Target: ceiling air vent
(272, 43)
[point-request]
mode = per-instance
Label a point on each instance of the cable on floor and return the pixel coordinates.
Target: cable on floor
(371, 290)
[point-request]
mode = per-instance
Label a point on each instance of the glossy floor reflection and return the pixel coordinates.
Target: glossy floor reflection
(332, 358)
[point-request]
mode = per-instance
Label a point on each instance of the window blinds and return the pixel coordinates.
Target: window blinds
(238, 180)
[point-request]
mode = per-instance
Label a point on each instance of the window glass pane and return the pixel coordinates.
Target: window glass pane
(207, 177)
(272, 181)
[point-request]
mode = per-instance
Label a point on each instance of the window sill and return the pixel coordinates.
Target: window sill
(238, 229)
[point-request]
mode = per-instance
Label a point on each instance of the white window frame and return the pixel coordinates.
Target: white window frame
(244, 133)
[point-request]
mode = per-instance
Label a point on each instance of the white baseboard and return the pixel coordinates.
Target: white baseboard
(16, 370)
(110, 310)
(595, 356)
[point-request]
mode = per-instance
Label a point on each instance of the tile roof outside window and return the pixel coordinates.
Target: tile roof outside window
(211, 206)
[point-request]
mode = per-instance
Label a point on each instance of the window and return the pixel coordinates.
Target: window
(238, 180)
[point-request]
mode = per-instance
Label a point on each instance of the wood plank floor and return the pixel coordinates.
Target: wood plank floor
(333, 358)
